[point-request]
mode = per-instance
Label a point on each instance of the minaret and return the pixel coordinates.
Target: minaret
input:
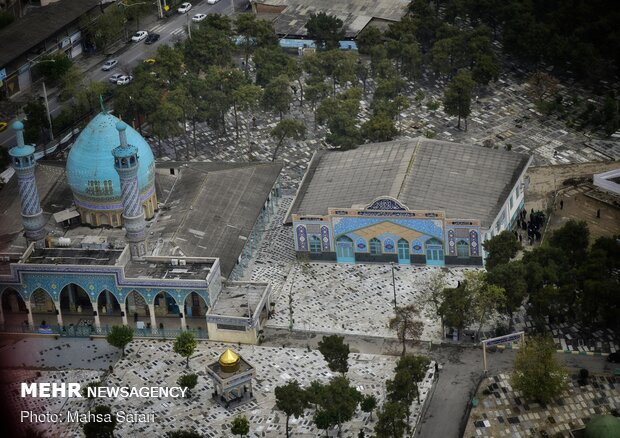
(22, 159)
(126, 164)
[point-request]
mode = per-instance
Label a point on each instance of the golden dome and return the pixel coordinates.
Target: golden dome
(229, 359)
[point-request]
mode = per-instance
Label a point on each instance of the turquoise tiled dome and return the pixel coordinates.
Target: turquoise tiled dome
(90, 165)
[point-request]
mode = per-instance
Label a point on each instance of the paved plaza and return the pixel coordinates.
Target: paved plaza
(149, 363)
(503, 412)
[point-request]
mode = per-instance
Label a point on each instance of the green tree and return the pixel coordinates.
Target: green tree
(369, 37)
(325, 30)
(286, 128)
(511, 278)
(240, 426)
(501, 249)
(188, 381)
(183, 434)
(573, 240)
(457, 96)
(292, 400)
(120, 336)
(335, 352)
(185, 345)
(105, 29)
(391, 420)
(337, 402)
(487, 298)
(406, 324)
(88, 97)
(537, 373)
(54, 66)
(100, 429)
(270, 62)
(211, 44)
(277, 95)
(338, 65)
(380, 127)
(339, 114)
(164, 122)
(455, 307)
(170, 67)
(486, 69)
(36, 121)
(416, 366)
(435, 294)
(368, 404)
(245, 98)
(136, 9)
(254, 33)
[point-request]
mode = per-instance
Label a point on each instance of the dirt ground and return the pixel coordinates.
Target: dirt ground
(578, 203)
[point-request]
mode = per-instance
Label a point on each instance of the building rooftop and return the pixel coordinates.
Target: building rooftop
(234, 299)
(38, 25)
(168, 270)
(355, 14)
(73, 256)
(211, 209)
(464, 181)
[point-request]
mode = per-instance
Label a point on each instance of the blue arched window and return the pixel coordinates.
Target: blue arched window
(462, 248)
(375, 246)
(315, 244)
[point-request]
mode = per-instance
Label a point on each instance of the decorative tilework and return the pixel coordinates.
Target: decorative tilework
(345, 225)
(417, 247)
(388, 245)
(302, 238)
(474, 244)
(451, 243)
(325, 243)
(361, 245)
(386, 204)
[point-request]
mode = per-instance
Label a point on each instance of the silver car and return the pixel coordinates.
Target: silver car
(109, 64)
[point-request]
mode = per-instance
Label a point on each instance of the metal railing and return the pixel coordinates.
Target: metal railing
(85, 331)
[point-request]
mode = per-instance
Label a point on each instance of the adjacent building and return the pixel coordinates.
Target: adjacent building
(414, 201)
(117, 255)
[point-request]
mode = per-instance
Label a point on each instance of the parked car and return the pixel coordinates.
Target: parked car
(151, 38)
(109, 64)
(139, 36)
(124, 80)
(115, 77)
(198, 17)
(184, 8)
(614, 357)
(3, 126)
(212, 2)
(150, 61)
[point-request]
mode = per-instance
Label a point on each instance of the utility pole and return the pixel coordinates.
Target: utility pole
(393, 284)
(189, 27)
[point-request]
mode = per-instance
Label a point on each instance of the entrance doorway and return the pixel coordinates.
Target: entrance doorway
(344, 250)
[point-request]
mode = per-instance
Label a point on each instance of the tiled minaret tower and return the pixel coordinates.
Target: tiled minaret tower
(22, 159)
(126, 164)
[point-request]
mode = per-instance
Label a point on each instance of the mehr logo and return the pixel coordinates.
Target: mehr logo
(51, 390)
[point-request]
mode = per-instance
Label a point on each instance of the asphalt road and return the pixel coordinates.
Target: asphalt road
(170, 30)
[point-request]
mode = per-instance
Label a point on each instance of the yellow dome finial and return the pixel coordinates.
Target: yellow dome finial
(229, 360)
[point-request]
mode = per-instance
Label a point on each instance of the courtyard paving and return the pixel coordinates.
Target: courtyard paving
(149, 363)
(503, 412)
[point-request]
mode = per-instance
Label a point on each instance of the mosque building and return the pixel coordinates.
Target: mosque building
(154, 248)
(412, 201)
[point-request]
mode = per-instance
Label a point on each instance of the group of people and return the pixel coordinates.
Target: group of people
(533, 226)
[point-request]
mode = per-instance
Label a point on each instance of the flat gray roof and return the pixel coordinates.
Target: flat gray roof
(355, 14)
(464, 181)
(212, 209)
(73, 256)
(38, 25)
(235, 298)
(165, 270)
